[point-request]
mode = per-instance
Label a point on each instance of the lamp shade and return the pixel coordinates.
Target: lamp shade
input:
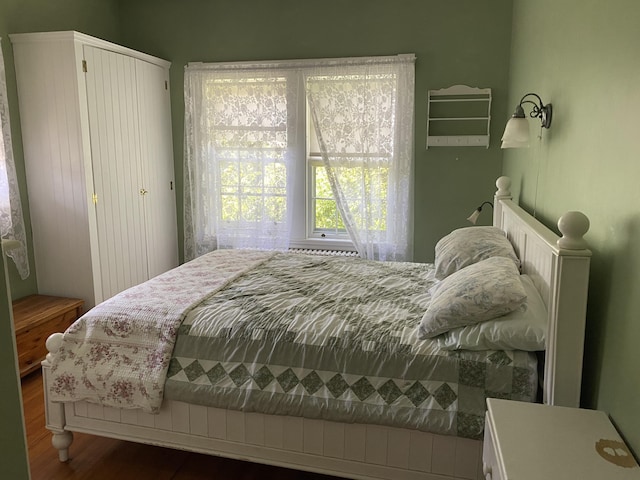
(516, 133)
(473, 218)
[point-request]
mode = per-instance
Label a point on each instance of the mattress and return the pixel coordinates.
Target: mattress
(336, 338)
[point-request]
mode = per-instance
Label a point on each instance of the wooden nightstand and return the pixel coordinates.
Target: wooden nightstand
(35, 318)
(527, 441)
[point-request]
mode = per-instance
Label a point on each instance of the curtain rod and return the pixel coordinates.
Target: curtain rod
(302, 63)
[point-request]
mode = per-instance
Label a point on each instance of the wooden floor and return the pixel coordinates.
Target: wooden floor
(97, 458)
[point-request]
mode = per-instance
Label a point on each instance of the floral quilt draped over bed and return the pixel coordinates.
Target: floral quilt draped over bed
(118, 353)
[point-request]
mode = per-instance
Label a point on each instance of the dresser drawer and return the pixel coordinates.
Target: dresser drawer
(35, 318)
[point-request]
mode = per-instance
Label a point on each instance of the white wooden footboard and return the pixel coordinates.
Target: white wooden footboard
(346, 450)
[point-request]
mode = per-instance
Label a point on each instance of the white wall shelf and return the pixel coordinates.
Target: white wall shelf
(459, 116)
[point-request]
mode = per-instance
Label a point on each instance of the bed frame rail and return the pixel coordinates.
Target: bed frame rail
(367, 452)
(559, 267)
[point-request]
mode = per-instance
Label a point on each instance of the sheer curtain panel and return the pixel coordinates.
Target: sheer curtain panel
(363, 114)
(11, 220)
(240, 123)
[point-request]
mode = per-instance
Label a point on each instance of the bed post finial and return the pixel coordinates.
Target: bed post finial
(573, 226)
(503, 193)
(53, 344)
(504, 185)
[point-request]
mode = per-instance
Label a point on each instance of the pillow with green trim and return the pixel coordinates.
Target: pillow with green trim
(469, 245)
(477, 293)
(523, 329)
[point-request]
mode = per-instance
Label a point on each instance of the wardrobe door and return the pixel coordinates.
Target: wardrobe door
(114, 126)
(157, 167)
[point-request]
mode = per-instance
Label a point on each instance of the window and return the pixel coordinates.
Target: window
(301, 153)
(323, 216)
(249, 135)
(325, 219)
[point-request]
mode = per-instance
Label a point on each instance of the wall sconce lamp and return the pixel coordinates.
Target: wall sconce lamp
(473, 218)
(516, 133)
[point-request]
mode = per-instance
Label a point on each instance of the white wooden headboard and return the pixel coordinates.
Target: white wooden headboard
(559, 267)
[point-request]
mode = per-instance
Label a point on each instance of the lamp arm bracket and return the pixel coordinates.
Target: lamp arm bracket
(535, 111)
(539, 110)
(534, 95)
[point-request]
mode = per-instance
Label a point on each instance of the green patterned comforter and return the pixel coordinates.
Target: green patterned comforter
(336, 339)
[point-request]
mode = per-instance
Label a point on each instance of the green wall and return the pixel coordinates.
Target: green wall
(455, 42)
(582, 56)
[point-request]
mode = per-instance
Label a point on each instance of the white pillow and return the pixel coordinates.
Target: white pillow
(469, 245)
(523, 329)
(482, 291)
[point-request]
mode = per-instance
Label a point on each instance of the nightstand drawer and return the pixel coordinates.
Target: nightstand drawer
(490, 465)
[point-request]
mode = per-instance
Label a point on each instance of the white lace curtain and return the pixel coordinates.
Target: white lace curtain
(240, 124)
(243, 141)
(363, 114)
(11, 220)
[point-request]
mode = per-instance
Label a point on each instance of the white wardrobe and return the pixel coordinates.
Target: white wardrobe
(96, 131)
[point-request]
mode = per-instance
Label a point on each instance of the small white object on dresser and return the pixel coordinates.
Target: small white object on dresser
(527, 441)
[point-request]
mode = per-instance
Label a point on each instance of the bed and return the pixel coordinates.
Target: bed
(355, 423)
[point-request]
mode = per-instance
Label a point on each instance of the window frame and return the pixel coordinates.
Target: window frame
(298, 233)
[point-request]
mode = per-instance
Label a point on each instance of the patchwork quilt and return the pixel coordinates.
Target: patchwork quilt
(336, 339)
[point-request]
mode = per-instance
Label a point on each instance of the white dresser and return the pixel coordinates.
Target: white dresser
(530, 441)
(96, 129)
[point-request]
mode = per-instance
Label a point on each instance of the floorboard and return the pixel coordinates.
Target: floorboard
(99, 458)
